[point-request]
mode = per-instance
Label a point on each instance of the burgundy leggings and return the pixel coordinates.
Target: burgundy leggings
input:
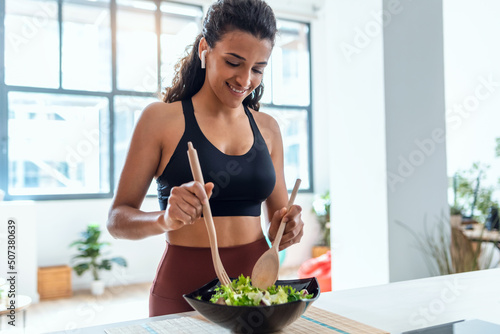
(185, 269)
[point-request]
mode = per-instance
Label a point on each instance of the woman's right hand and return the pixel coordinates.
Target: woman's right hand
(185, 204)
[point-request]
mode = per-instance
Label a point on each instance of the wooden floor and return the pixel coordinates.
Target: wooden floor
(118, 303)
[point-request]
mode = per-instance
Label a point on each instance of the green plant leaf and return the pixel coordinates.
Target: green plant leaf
(105, 264)
(89, 247)
(321, 208)
(79, 256)
(77, 242)
(119, 261)
(81, 268)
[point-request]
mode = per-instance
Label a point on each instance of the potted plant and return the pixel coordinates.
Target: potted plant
(450, 252)
(471, 198)
(321, 208)
(89, 257)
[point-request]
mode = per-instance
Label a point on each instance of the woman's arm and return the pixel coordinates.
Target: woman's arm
(276, 203)
(125, 219)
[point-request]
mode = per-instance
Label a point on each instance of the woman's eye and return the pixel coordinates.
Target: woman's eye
(255, 70)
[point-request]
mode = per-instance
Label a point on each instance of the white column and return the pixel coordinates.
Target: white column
(357, 145)
(416, 130)
(386, 107)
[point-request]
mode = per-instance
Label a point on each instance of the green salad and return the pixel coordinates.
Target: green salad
(242, 293)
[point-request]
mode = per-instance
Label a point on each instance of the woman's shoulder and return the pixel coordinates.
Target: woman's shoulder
(264, 121)
(161, 110)
(158, 117)
(269, 129)
(161, 114)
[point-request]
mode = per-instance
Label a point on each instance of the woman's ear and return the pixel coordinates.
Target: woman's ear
(202, 46)
(202, 51)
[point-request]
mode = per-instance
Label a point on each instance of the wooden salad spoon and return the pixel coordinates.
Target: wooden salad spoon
(207, 215)
(265, 270)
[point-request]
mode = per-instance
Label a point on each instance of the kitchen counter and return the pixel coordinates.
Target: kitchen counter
(401, 306)
(407, 305)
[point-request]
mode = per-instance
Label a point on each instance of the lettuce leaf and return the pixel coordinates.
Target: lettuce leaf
(242, 293)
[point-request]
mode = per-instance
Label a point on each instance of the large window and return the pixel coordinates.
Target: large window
(288, 98)
(58, 144)
(77, 74)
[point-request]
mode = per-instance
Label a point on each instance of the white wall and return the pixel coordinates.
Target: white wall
(385, 72)
(61, 222)
(357, 147)
(416, 130)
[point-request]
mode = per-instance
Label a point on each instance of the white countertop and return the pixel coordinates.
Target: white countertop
(420, 303)
(402, 306)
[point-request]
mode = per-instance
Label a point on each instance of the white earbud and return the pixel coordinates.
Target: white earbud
(202, 58)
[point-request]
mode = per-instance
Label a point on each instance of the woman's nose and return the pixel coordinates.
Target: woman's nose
(244, 78)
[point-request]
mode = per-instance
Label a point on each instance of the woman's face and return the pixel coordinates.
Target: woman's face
(235, 66)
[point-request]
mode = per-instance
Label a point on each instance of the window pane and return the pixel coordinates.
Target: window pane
(179, 27)
(127, 112)
(31, 43)
(148, 5)
(290, 70)
(293, 125)
(58, 144)
(137, 68)
(86, 53)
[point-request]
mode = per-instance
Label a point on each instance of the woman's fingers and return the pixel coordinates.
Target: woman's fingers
(185, 204)
(294, 229)
(198, 190)
(209, 187)
(275, 223)
(178, 214)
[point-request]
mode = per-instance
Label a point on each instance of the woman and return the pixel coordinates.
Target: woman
(213, 103)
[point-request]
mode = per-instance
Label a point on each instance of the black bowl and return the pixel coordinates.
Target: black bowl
(253, 319)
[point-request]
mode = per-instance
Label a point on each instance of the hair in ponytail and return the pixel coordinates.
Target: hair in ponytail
(251, 16)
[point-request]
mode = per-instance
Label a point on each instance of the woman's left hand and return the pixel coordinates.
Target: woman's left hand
(294, 228)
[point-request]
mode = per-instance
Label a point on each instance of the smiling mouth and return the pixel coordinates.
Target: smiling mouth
(235, 90)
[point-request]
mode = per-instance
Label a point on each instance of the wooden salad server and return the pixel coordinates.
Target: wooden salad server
(207, 215)
(265, 271)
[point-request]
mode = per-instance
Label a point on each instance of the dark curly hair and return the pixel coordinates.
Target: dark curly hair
(251, 16)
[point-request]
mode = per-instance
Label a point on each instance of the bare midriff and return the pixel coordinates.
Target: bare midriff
(231, 231)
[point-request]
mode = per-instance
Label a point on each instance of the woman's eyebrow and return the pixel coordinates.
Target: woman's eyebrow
(240, 57)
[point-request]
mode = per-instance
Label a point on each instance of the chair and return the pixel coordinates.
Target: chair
(464, 254)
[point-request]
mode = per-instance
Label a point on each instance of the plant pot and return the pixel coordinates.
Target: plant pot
(97, 287)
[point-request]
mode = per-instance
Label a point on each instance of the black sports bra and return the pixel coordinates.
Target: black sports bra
(242, 182)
